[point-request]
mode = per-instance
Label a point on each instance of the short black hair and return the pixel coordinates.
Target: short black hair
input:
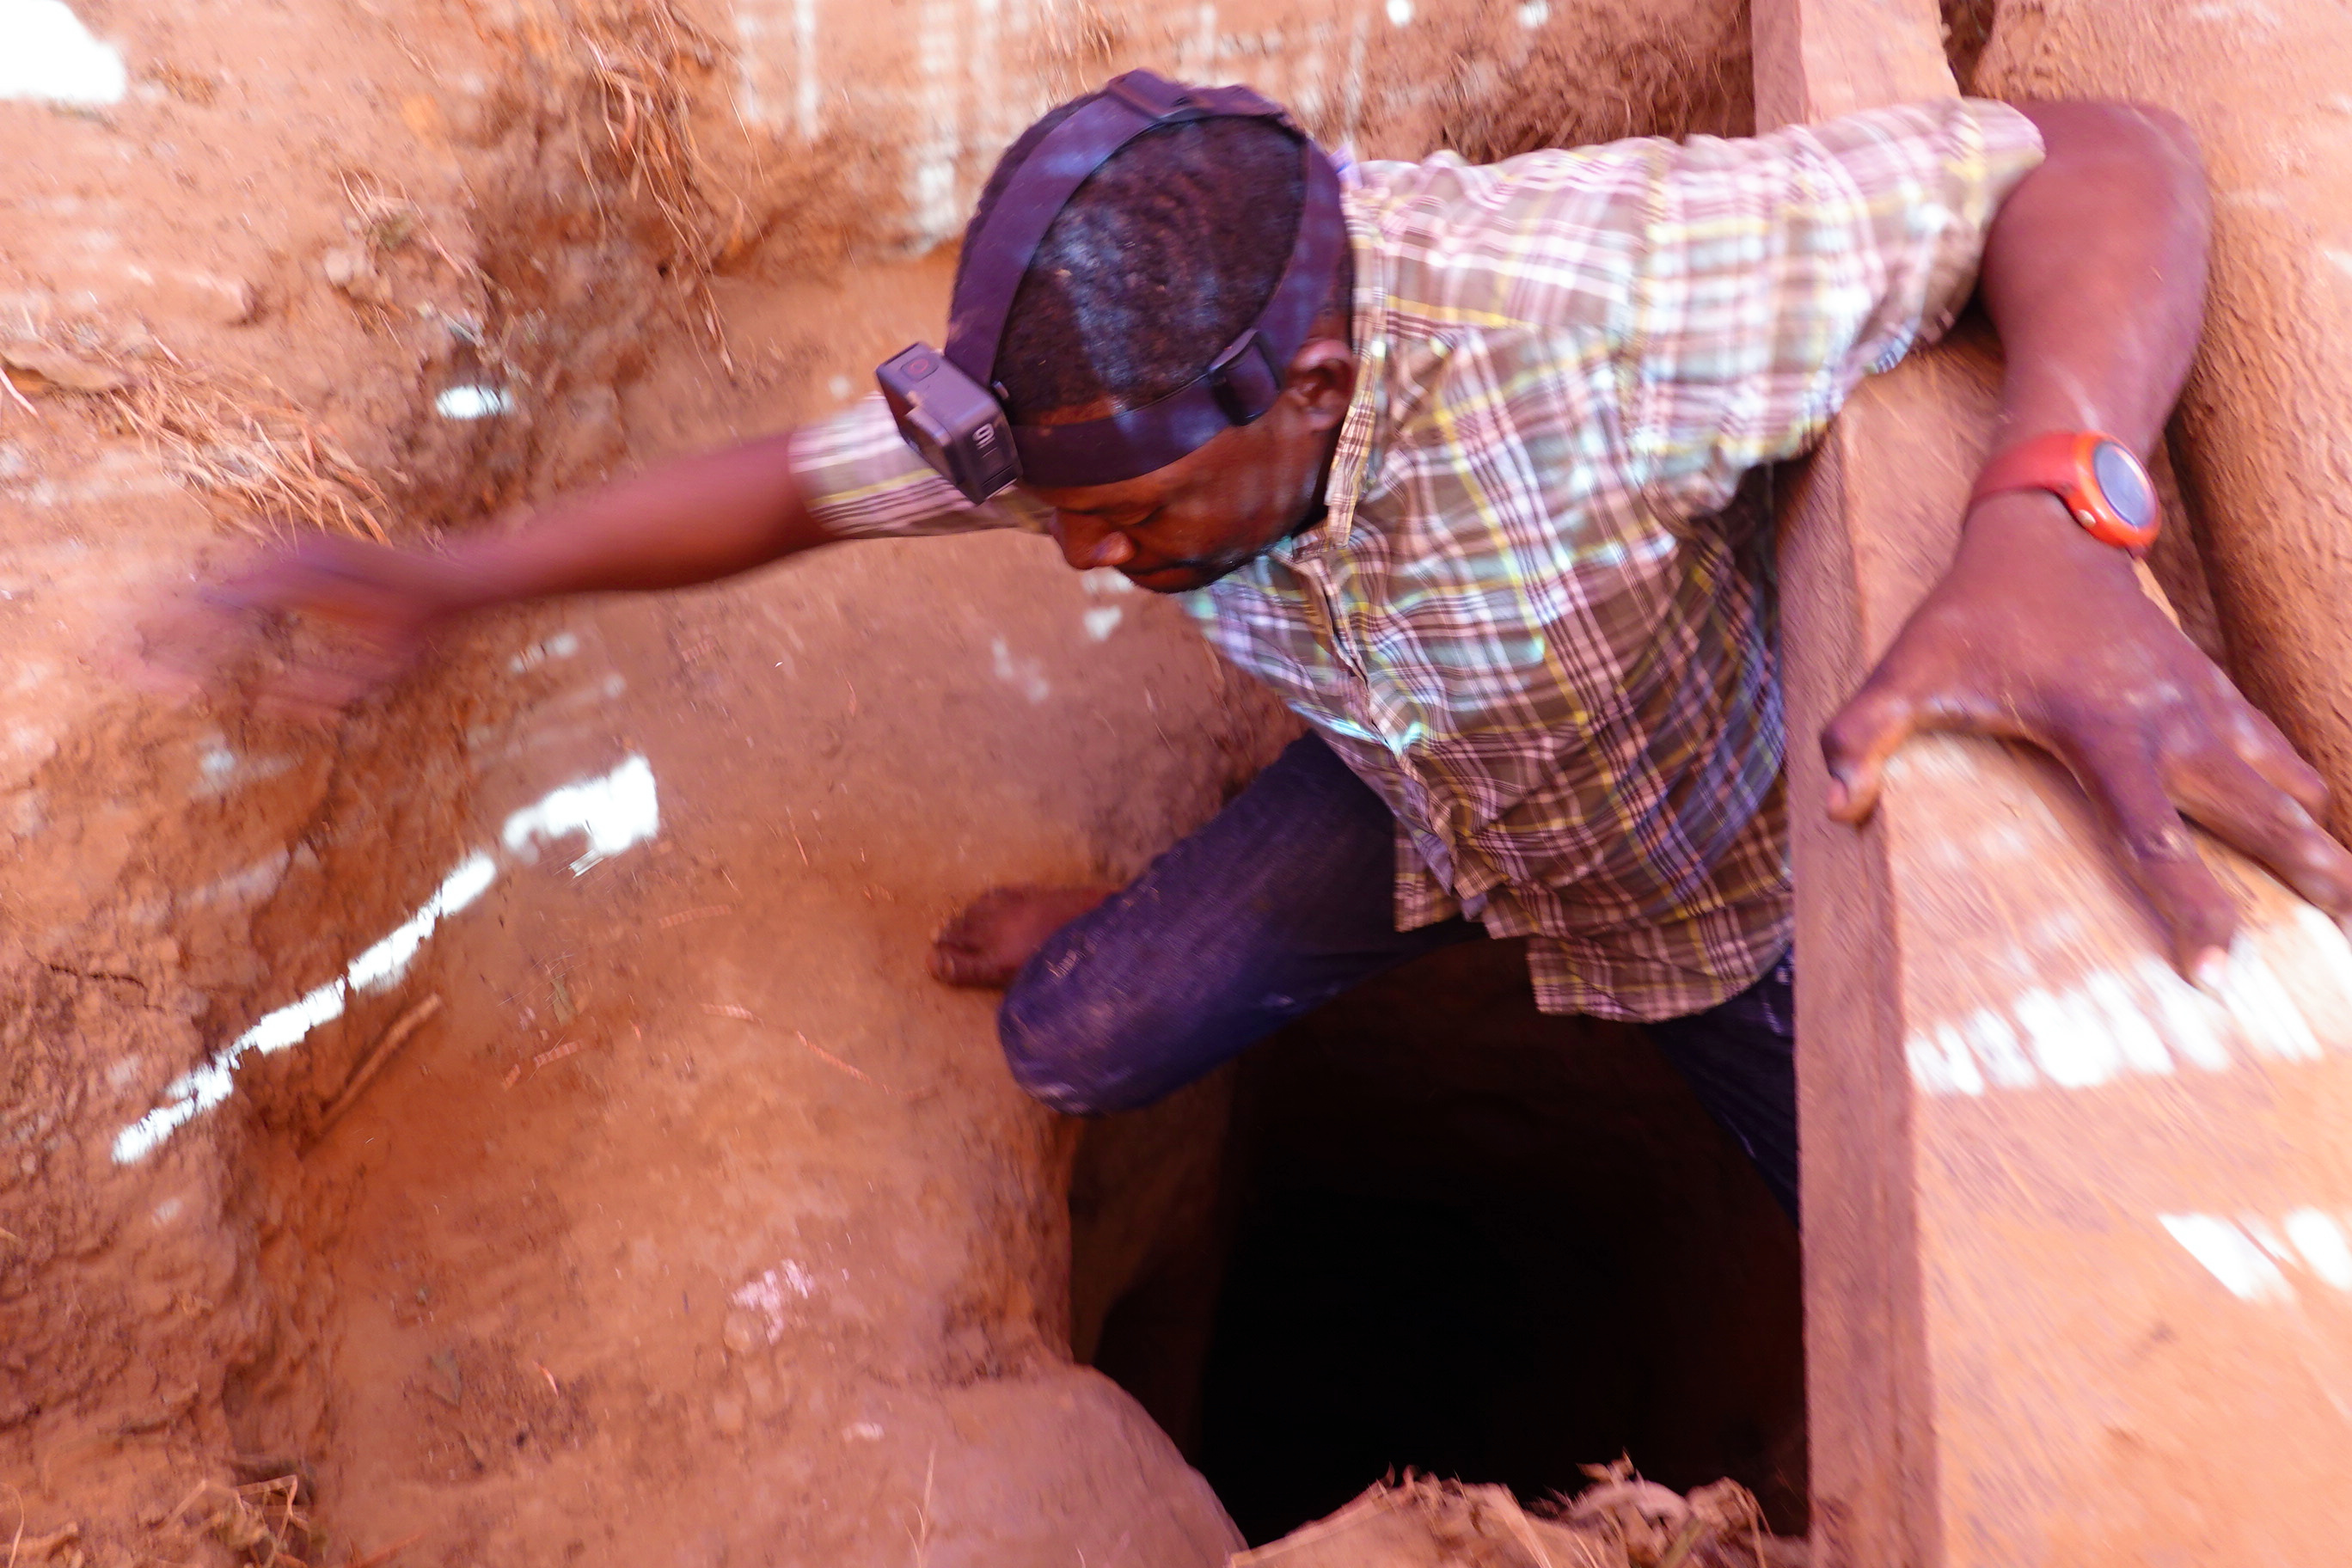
(1158, 262)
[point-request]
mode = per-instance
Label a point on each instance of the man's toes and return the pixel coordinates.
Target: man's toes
(959, 964)
(971, 926)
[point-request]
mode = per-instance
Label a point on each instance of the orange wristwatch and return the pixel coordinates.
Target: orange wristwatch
(2104, 485)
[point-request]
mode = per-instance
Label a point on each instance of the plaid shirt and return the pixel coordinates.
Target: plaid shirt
(1521, 622)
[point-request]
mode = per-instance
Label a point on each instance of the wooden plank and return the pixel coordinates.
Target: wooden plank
(2078, 1236)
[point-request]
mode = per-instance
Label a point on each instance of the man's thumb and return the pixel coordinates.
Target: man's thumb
(1856, 743)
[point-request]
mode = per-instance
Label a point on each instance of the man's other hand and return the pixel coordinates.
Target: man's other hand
(2041, 633)
(366, 611)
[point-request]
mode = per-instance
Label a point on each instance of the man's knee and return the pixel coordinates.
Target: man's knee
(1062, 1052)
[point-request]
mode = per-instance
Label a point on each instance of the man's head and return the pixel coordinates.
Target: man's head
(1159, 262)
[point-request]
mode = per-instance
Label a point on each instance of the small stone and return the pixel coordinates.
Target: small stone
(742, 1334)
(727, 1415)
(766, 1394)
(349, 269)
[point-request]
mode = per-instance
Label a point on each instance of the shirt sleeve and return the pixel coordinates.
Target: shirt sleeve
(862, 481)
(1777, 272)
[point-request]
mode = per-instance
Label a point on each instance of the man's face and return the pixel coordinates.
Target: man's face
(1203, 516)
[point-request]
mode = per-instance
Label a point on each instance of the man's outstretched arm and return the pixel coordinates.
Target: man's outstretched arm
(693, 520)
(696, 520)
(2093, 274)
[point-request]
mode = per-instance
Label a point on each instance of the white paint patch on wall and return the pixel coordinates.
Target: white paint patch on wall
(931, 177)
(958, 79)
(615, 812)
(1306, 76)
(1196, 57)
(750, 102)
(1351, 102)
(806, 99)
(2252, 1257)
(760, 63)
(47, 55)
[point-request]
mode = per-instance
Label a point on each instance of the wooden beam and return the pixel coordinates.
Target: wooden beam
(2078, 1236)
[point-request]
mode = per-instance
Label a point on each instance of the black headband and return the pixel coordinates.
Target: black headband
(1240, 384)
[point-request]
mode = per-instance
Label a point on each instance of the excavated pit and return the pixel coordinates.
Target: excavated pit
(1451, 1235)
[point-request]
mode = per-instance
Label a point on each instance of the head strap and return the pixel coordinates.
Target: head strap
(1241, 383)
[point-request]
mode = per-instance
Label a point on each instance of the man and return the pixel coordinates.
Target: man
(1472, 535)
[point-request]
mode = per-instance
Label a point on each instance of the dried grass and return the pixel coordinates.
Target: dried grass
(634, 53)
(635, 56)
(1640, 1524)
(264, 459)
(260, 459)
(1622, 1521)
(260, 1522)
(388, 220)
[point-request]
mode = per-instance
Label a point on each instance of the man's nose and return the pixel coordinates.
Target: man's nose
(1088, 542)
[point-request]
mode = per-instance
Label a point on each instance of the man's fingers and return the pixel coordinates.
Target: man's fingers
(321, 682)
(1857, 741)
(2156, 847)
(959, 962)
(2253, 814)
(2259, 744)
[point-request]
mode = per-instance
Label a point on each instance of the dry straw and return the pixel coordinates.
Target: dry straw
(635, 56)
(260, 1522)
(263, 457)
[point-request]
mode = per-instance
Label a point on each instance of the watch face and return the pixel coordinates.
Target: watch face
(2124, 484)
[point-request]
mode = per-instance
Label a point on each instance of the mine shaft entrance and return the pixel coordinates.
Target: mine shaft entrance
(1451, 1234)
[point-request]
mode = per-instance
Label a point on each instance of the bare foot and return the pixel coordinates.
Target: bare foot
(997, 933)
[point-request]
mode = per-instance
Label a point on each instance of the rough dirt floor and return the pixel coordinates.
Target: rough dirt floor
(698, 1225)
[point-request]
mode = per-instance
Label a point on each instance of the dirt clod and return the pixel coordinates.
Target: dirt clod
(36, 368)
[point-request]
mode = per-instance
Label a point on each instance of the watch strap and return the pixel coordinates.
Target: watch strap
(2065, 463)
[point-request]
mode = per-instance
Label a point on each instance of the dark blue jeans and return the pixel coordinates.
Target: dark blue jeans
(1282, 902)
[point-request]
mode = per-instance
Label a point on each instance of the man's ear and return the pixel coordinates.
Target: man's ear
(1322, 375)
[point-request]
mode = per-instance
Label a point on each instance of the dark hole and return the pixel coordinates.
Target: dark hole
(1449, 1234)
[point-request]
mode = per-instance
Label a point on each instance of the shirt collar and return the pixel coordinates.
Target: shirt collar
(1360, 429)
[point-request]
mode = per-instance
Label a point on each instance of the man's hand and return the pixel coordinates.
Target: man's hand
(2094, 277)
(369, 610)
(2041, 633)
